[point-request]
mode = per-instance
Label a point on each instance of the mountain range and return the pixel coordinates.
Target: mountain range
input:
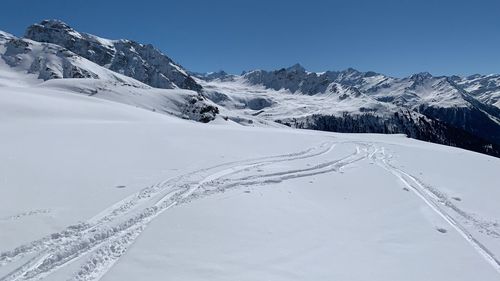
(452, 110)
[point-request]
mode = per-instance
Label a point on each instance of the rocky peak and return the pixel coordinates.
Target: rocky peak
(296, 68)
(210, 76)
(47, 61)
(142, 62)
(421, 76)
(54, 23)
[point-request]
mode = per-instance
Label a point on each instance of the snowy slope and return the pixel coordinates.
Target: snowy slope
(181, 103)
(49, 61)
(27, 63)
(485, 88)
(97, 190)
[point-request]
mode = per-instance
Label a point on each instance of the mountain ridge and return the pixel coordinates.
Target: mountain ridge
(40, 65)
(447, 107)
(142, 62)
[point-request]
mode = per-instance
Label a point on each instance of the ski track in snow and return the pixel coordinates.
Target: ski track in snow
(445, 208)
(123, 207)
(26, 214)
(107, 236)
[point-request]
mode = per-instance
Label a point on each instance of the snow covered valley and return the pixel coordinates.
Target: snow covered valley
(92, 189)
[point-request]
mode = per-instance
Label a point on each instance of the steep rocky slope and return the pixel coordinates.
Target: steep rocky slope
(141, 62)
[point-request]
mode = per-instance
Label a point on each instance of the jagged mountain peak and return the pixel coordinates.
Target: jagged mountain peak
(25, 63)
(55, 31)
(140, 61)
(48, 61)
(421, 76)
(55, 24)
(352, 70)
(371, 74)
(296, 68)
(210, 76)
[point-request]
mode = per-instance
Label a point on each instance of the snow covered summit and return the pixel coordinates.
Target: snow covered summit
(40, 65)
(142, 62)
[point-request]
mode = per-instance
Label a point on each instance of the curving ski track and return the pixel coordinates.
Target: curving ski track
(106, 237)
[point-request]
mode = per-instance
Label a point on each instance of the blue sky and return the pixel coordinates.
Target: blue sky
(394, 37)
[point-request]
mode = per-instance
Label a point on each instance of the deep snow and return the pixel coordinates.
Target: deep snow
(93, 189)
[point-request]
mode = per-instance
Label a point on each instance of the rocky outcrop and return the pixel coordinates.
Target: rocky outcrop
(141, 62)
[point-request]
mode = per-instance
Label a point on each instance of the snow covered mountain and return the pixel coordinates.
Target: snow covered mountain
(425, 107)
(210, 76)
(28, 63)
(141, 62)
(485, 88)
(49, 61)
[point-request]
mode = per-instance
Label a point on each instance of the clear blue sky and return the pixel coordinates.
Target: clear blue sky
(395, 37)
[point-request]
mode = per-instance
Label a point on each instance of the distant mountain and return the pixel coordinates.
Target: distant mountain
(141, 62)
(439, 98)
(450, 110)
(485, 88)
(209, 76)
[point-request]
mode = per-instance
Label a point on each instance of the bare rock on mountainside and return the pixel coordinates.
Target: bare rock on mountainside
(142, 62)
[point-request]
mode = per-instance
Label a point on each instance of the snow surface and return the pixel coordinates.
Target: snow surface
(92, 189)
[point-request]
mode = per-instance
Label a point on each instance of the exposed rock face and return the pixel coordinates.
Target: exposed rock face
(141, 62)
(47, 60)
(197, 109)
(294, 79)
